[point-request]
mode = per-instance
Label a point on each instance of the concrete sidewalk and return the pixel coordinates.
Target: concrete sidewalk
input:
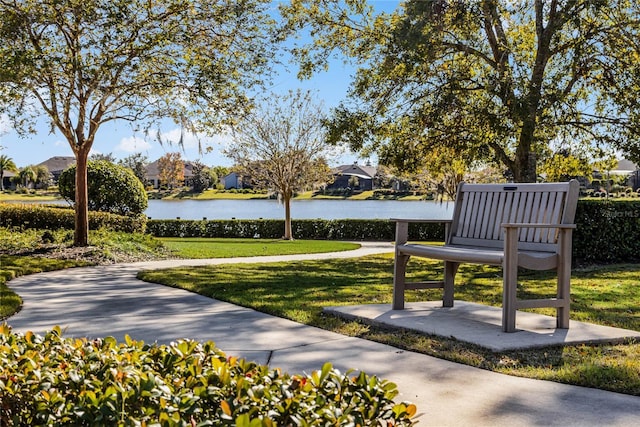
(109, 300)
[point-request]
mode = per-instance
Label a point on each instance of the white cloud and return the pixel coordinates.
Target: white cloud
(223, 140)
(5, 126)
(133, 144)
(189, 140)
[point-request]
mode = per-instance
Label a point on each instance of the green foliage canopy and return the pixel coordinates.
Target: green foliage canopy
(83, 63)
(499, 79)
(112, 188)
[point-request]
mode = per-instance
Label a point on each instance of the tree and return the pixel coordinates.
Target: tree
(354, 182)
(564, 165)
(6, 164)
(26, 176)
(445, 170)
(171, 170)
(112, 188)
(43, 176)
(84, 63)
(138, 164)
(217, 174)
(281, 147)
(202, 178)
(499, 79)
(109, 157)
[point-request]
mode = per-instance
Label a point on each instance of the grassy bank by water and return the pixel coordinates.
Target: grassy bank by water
(39, 196)
(49, 195)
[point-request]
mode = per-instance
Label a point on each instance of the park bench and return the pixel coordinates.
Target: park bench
(511, 225)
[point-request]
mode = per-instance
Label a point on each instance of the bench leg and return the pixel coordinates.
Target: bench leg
(399, 280)
(564, 281)
(510, 284)
(509, 281)
(450, 270)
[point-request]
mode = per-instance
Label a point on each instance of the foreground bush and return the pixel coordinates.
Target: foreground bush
(49, 380)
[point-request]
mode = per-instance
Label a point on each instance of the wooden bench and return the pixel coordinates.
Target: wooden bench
(512, 225)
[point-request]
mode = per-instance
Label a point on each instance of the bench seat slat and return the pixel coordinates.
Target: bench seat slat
(498, 244)
(481, 255)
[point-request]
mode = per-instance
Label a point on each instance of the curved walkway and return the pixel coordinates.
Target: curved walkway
(109, 300)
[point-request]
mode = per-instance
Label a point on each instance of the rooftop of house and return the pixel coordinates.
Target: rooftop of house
(58, 163)
(361, 171)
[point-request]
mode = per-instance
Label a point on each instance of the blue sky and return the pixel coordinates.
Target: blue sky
(119, 139)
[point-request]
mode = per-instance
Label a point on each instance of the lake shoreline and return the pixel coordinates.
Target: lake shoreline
(209, 195)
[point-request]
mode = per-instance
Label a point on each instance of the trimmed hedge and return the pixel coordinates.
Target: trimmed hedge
(50, 380)
(319, 229)
(56, 217)
(608, 231)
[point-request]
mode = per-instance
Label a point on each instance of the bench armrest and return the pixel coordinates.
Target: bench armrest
(402, 227)
(564, 239)
(536, 225)
(432, 221)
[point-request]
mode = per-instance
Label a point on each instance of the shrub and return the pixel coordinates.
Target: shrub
(339, 229)
(49, 380)
(54, 218)
(606, 231)
(112, 188)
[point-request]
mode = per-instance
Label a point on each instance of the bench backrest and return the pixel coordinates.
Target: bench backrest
(480, 209)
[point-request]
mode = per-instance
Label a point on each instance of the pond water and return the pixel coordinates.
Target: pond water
(300, 209)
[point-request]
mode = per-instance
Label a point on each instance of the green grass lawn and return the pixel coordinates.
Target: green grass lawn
(229, 248)
(118, 247)
(217, 194)
(608, 295)
(40, 196)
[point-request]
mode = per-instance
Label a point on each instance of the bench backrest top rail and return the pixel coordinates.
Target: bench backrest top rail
(481, 209)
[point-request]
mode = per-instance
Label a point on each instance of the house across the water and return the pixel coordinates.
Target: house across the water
(354, 176)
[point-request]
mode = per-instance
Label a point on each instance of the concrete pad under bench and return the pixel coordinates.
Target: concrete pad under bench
(481, 325)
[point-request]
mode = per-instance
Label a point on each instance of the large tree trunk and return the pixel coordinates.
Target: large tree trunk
(525, 169)
(288, 234)
(81, 236)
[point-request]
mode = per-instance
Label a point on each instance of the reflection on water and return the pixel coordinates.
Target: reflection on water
(300, 209)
